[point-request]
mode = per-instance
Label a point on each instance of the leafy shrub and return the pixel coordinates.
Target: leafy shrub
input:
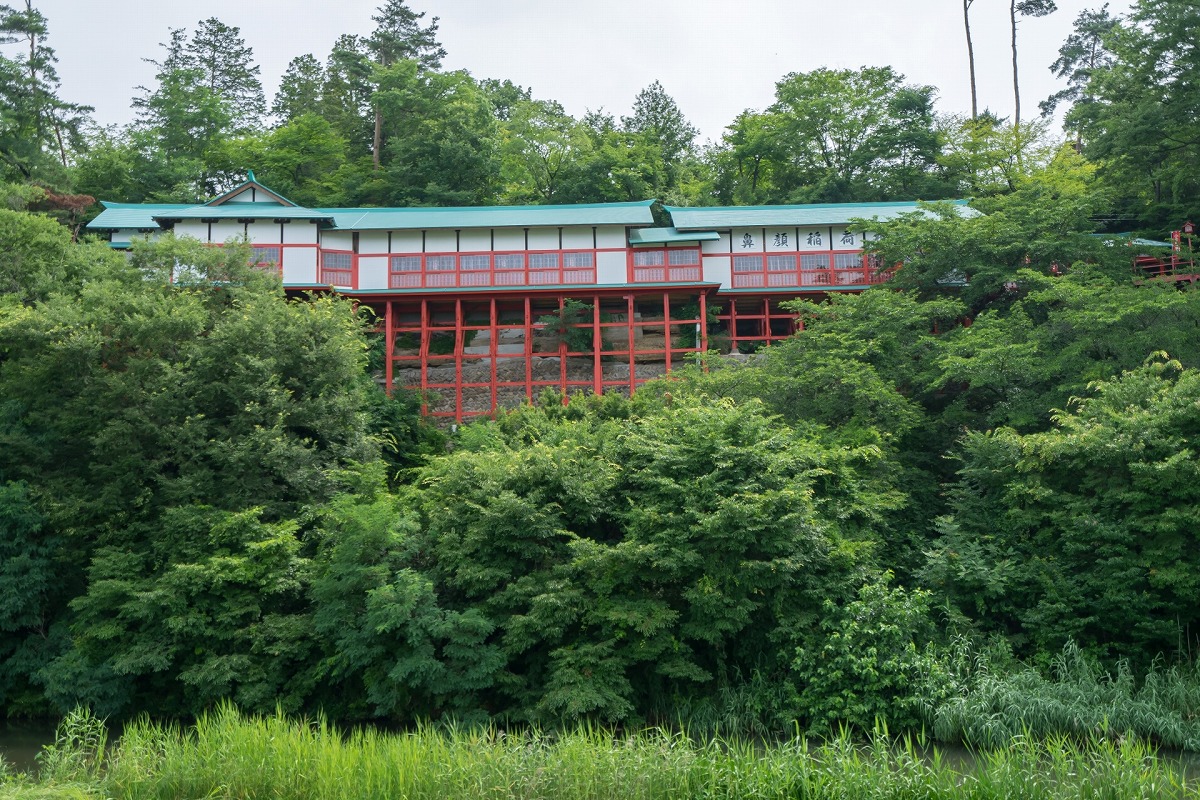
(870, 662)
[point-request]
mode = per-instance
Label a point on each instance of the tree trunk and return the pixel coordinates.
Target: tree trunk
(377, 139)
(62, 150)
(971, 58)
(1012, 18)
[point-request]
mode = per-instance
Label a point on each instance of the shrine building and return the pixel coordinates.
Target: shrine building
(485, 307)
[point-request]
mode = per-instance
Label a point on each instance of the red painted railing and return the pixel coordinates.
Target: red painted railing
(461, 270)
(825, 269)
(665, 265)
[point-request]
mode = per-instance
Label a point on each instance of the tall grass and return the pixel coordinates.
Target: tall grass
(1079, 700)
(232, 756)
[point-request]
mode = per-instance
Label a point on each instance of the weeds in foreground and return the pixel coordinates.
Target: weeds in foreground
(230, 755)
(1080, 701)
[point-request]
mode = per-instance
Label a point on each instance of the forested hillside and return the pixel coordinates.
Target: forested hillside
(379, 121)
(959, 504)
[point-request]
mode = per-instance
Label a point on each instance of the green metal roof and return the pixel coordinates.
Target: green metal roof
(793, 216)
(132, 215)
(669, 235)
(246, 211)
(359, 219)
(146, 215)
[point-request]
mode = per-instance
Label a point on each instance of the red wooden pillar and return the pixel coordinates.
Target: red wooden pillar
(766, 320)
(562, 357)
(632, 351)
(424, 355)
(459, 339)
(597, 346)
(667, 331)
(494, 354)
(733, 334)
(704, 323)
(528, 350)
(389, 349)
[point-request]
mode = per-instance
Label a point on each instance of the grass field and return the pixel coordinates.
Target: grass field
(228, 755)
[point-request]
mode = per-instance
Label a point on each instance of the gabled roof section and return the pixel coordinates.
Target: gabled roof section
(795, 216)
(360, 219)
(250, 190)
(670, 236)
(117, 216)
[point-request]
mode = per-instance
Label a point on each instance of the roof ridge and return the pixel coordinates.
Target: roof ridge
(793, 206)
(460, 209)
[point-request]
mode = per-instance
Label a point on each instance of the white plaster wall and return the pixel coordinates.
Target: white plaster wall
(510, 239)
(718, 246)
(299, 265)
(440, 242)
(475, 241)
(718, 268)
(611, 236)
(372, 242)
(250, 195)
(543, 238)
(337, 240)
(577, 238)
(299, 233)
(190, 227)
(372, 272)
(406, 241)
(265, 232)
(611, 268)
(226, 229)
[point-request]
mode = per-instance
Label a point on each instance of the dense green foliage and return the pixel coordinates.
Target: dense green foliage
(157, 440)
(379, 121)
(205, 498)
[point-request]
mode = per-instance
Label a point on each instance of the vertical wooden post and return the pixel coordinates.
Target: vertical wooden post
(632, 351)
(733, 334)
(703, 322)
(495, 354)
(667, 330)
(424, 355)
(389, 349)
(459, 345)
(562, 356)
(597, 347)
(528, 350)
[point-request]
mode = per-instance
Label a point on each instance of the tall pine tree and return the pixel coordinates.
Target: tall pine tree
(399, 36)
(36, 125)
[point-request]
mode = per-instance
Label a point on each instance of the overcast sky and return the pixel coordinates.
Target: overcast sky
(715, 57)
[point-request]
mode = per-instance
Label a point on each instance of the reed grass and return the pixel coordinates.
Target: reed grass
(1080, 700)
(229, 755)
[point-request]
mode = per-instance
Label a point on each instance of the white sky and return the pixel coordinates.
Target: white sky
(716, 58)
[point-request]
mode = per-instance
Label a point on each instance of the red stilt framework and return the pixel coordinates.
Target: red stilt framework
(755, 321)
(434, 344)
